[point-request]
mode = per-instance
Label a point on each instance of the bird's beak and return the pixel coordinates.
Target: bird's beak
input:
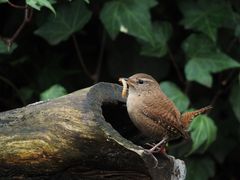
(120, 79)
(128, 81)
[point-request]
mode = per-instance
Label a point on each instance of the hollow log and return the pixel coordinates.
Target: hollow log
(69, 138)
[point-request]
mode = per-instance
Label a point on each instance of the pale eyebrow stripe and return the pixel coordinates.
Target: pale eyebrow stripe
(145, 79)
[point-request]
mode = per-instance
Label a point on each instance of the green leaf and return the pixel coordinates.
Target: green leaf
(200, 69)
(198, 45)
(3, 1)
(176, 95)
(53, 92)
(237, 31)
(235, 99)
(204, 60)
(204, 16)
(158, 47)
(202, 168)
(70, 18)
(128, 16)
(203, 133)
(37, 4)
(4, 49)
(194, 71)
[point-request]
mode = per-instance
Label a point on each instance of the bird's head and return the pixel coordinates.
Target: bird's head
(141, 83)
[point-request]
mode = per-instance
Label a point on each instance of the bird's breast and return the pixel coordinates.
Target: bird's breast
(140, 114)
(141, 121)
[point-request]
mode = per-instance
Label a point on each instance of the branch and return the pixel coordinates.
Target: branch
(27, 18)
(70, 137)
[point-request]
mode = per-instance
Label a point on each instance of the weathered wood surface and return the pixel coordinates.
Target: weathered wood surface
(68, 138)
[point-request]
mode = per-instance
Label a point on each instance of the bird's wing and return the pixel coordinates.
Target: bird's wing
(165, 113)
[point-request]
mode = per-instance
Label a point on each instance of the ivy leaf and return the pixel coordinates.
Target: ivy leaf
(235, 99)
(70, 18)
(193, 46)
(128, 16)
(176, 95)
(53, 92)
(194, 72)
(204, 16)
(204, 60)
(158, 47)
(203, 133)
(3, 1)
(4, 49)
(199, 69)
(200, 168)
(237, 31)
(37, 4)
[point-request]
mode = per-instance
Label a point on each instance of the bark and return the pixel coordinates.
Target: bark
(68, 137)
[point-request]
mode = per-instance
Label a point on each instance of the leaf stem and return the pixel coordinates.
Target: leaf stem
(180, 76)
(13, 87)
(15, 5)
(225, 87)
(27, 18)
(100, 57)
(80, 58)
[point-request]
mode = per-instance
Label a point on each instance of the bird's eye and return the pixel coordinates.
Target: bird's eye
(140, 81)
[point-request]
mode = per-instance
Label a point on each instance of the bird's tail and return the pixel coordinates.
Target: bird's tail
(187, 117)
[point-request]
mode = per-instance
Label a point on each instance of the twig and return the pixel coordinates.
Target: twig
(80, 58)
(100, 57)
(27, 17)
(187, 87)
(180, 76)
(13, 87)
(16, 6)
(231, 44)
(215, 98)
(223, 89)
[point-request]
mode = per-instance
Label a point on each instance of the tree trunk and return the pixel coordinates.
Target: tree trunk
(68, 137)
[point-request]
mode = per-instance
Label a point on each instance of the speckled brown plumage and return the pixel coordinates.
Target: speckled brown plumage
(153, 113)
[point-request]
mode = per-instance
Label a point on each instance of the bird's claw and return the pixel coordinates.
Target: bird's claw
(160, 149)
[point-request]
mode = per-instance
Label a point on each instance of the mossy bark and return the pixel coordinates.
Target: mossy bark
(68, 137)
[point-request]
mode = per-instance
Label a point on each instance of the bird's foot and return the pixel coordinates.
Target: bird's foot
(159, 149)
(158, 146)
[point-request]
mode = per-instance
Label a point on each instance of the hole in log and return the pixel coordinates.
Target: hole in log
(117, 116)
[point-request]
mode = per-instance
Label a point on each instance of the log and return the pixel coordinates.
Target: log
(69, 138)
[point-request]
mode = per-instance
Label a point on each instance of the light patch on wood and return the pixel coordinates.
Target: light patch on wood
(72, 120)
(32, 151)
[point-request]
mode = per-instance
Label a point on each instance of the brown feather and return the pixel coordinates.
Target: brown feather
(187, 117)
(165, 113)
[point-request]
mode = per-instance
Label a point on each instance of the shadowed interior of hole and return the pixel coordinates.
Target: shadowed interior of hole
(117, 116)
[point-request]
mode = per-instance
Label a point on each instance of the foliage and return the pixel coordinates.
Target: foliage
(191, 46)
(53, 92)
(176, 95)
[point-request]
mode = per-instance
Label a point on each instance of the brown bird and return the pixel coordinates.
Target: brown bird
(153, 113)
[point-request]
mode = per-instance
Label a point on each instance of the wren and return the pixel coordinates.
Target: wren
(153, 113)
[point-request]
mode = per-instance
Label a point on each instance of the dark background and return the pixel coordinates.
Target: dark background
(37, 69)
